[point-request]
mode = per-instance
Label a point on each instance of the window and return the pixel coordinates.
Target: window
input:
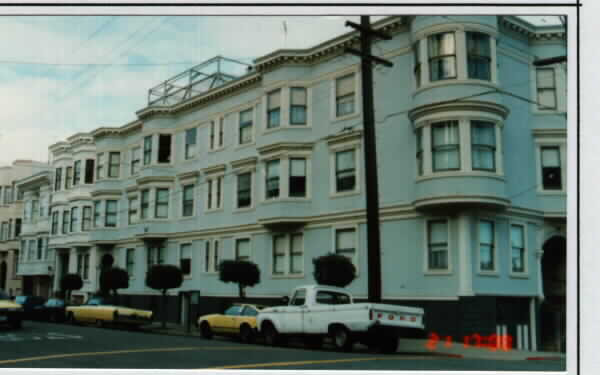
(442, 57)
(245, 129)
(156, 255)
(76, 172)
(417, 62)
(97, 208)
(551, 170)
(486, 246)
(114, 164)
(83, 265)
(299, 298)
(135, 160)
(483, 145)
(332, 298)
(145, 204)
(57, 179)
(185, 259)
(40, 248)
(479, 56)
(65, 222)
(297, 177)
(345, 243)
(437, 240)
(74, 219)
(3, 231)
(147, 149)
(31, 250)
(272, 179)
(190, 143)
(130, 261)
(55, 222)
(187, 208)
(344, 95)
(445, 146)
(89, 171)
(10, 232)
(242, 249)
(211, 256)
(244, 190)
(420, 151)
(517, 245)
(17, 227)
(69, 178)
(214, 193)
(546, 88)
(99, 166)
(35, 209)
(345, 171)
(216, 134)
(273, 109)
(133, 210)
(162, 204)
(86, 221)
(298, 100)
(164, 148)
(110, 218)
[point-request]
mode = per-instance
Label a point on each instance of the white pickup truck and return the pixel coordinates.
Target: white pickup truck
(318, 311)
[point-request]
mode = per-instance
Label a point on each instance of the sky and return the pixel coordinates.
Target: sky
(60, 75)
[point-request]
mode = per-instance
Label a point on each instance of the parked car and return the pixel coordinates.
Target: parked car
(31, 305)
(99, 310)
(52, 311)
(11, 313)
(317, 311)
(238, 321)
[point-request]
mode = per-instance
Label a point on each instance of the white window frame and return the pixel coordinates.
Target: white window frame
(560, 89)
(154, 199)
(219, 128)
(287, 257)
(333, 150)
(132, 170)
(285, 121)
(108, 165)
(495, 271)
(356, 228)
(212, 182)
(133, 251)
(254, 109)
(252, 205)
(212, 245)
(117, 200)
(552, 141)
(525, 273)
(194, 200)
(194, 154)
(191, 245)
(235, 248)
(136, 197)
(333, 117)
(426, 269)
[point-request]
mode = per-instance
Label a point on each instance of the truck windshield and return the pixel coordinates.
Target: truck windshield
(326, 297)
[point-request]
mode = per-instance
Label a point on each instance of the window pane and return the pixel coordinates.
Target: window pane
(441, 44)
(298, 115)
(345, 160)
(550, 157)
(547, 99)
(246, 116)
(545, 78)
(344, 105)
(345, 85)
(438, 232)
(486, 257)
(274, 100)
(190, 136)
(243, 249)
(483, 133)
(345, 239)
(478, 44)
(442, 67)
(298, 96)
(486, 232)
(483, 159)
(516, 236)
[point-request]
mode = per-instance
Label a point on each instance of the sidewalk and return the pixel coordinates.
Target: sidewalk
(413, 346)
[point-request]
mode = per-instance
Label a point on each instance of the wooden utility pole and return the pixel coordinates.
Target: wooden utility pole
(370, 152)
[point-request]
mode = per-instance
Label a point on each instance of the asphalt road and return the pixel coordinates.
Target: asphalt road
(47, 345)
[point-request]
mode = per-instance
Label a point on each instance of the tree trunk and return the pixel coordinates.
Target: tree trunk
(164, 303)
(242, 292)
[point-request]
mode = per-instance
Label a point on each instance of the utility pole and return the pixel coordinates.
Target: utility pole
(370, 152)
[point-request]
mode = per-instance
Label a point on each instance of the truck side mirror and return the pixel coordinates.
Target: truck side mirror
(285, 300)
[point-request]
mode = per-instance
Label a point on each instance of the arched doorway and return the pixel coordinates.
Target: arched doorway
(553, 309)
(3, 272)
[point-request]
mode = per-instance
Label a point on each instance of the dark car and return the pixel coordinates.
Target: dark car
(10, 312)
(52, 311)
(31, 305)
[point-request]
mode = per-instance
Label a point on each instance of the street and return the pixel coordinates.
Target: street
(48, 345)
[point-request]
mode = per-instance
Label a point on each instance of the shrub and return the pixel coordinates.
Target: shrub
(163, 277)
(240, 272)
(334, 269)
(112, 279)
(70, 282)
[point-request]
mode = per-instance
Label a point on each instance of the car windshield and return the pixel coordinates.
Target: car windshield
(54, 302)
(4, 296)
(95, 301)
(233, 310)
(21, 299)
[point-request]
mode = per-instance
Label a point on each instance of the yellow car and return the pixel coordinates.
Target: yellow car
(10, 313)
(239, 321)
(97, 310)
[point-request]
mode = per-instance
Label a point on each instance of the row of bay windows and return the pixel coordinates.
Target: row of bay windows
(35, 250)
(10, 230)
(9, 194)
(287, 253)
(438, 253)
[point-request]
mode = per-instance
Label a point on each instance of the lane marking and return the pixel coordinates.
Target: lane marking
(317, 362)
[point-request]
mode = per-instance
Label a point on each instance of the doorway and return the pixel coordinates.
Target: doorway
(553, 309)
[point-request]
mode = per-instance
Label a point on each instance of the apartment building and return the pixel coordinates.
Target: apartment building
(268, 167)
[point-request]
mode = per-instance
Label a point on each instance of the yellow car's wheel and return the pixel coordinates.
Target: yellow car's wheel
(246, 334)
(99, 323)
(71, 319)
(205, 330)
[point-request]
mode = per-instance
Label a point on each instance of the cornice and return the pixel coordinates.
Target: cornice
(285, 147)
(344, 137)
(188, 175)
(243, 163)
(472, 105)
(111, 193)
(549, 133)
(532, 32)
(151, 179)
(219, 168)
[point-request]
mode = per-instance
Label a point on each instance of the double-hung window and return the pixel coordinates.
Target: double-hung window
(546, 88)
(486, 246)
(242, 249)
(110, 218)
(164, 148)
(297, 182)
(69, 178)
(483, 145)
(89, 171)
(211, 256)
(147, 150)
(437, 241)
(135, 160)
(114, 164)
(244, 190)
(190, 143)
(345, 243)
(55, 222)
(274, 109)
(245, 127)
(57, 179)
(133, 210)
(445, 143)
(97, 214)
(40, 248)
(517, 248)
(345, 171)
(288, 254)
(187, 208)
(442, 56)
(344, 95)
(86, 220)
(272, 179)
(420, 151)
(417, 62)
(479, 56)
(298, 106)
(551, 169)
(76, 172)
(130, 261)
(215, 136)
(185, 259)
(74, 219)
(214, 193)
(99, 166)
(155, 255)
(162, 204)
(65, 222)
(145, 204)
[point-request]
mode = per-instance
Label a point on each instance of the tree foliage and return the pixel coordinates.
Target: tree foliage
(334, 269)
(163, 277)
(240, 272)
(70, 282)
(114, 278)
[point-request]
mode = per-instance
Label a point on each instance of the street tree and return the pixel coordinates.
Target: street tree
(240, 272)
(164, 277)
(70, 282)
(112, 279)
(334, 269)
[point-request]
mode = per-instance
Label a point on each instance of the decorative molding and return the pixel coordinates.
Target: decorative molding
(108, 193)
(461, 199)
(344, 137)
(453, 106)
(188, 175)
(549, 133)
(285, 147)
(219, 168)
(151, 179)
(244, 163)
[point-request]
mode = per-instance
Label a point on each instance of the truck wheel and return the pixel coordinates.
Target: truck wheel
(246, 334)
(341, 338)
(272, 337)
(205, 331)
(388, 345)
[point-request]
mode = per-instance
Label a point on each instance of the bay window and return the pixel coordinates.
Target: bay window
(114, 164)
(517, 246)
(57, 179)
(437, 245)
(89, 171)
(185, 259)
(147, 150)
(273, 109)
(164, 148)
(483, 145)
(298, 108)
(442, 56)
(190, 143)
(420, 151)
(132, 215)
(297, 181)
(344, 95)
(288, 254)
(69, 177)
(486, 246)
(187, 208)
(479, 56)
(65, 222)
(110, 217)
(546, 88)
(345, 170)
(445, 146)
(162, 203)
(417, 63)
(76, 172)
(97, 214)
(245, 127)
(244, 190)
(99, 166)
(145, 204)
(86, 221)
(551, 168)
(272, 179)
(135, 160)
(74, 219)
(130, 261)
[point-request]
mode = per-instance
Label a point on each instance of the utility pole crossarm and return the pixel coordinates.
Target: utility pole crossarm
(371, 58)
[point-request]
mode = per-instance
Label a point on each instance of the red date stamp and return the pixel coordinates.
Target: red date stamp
(492, 342)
